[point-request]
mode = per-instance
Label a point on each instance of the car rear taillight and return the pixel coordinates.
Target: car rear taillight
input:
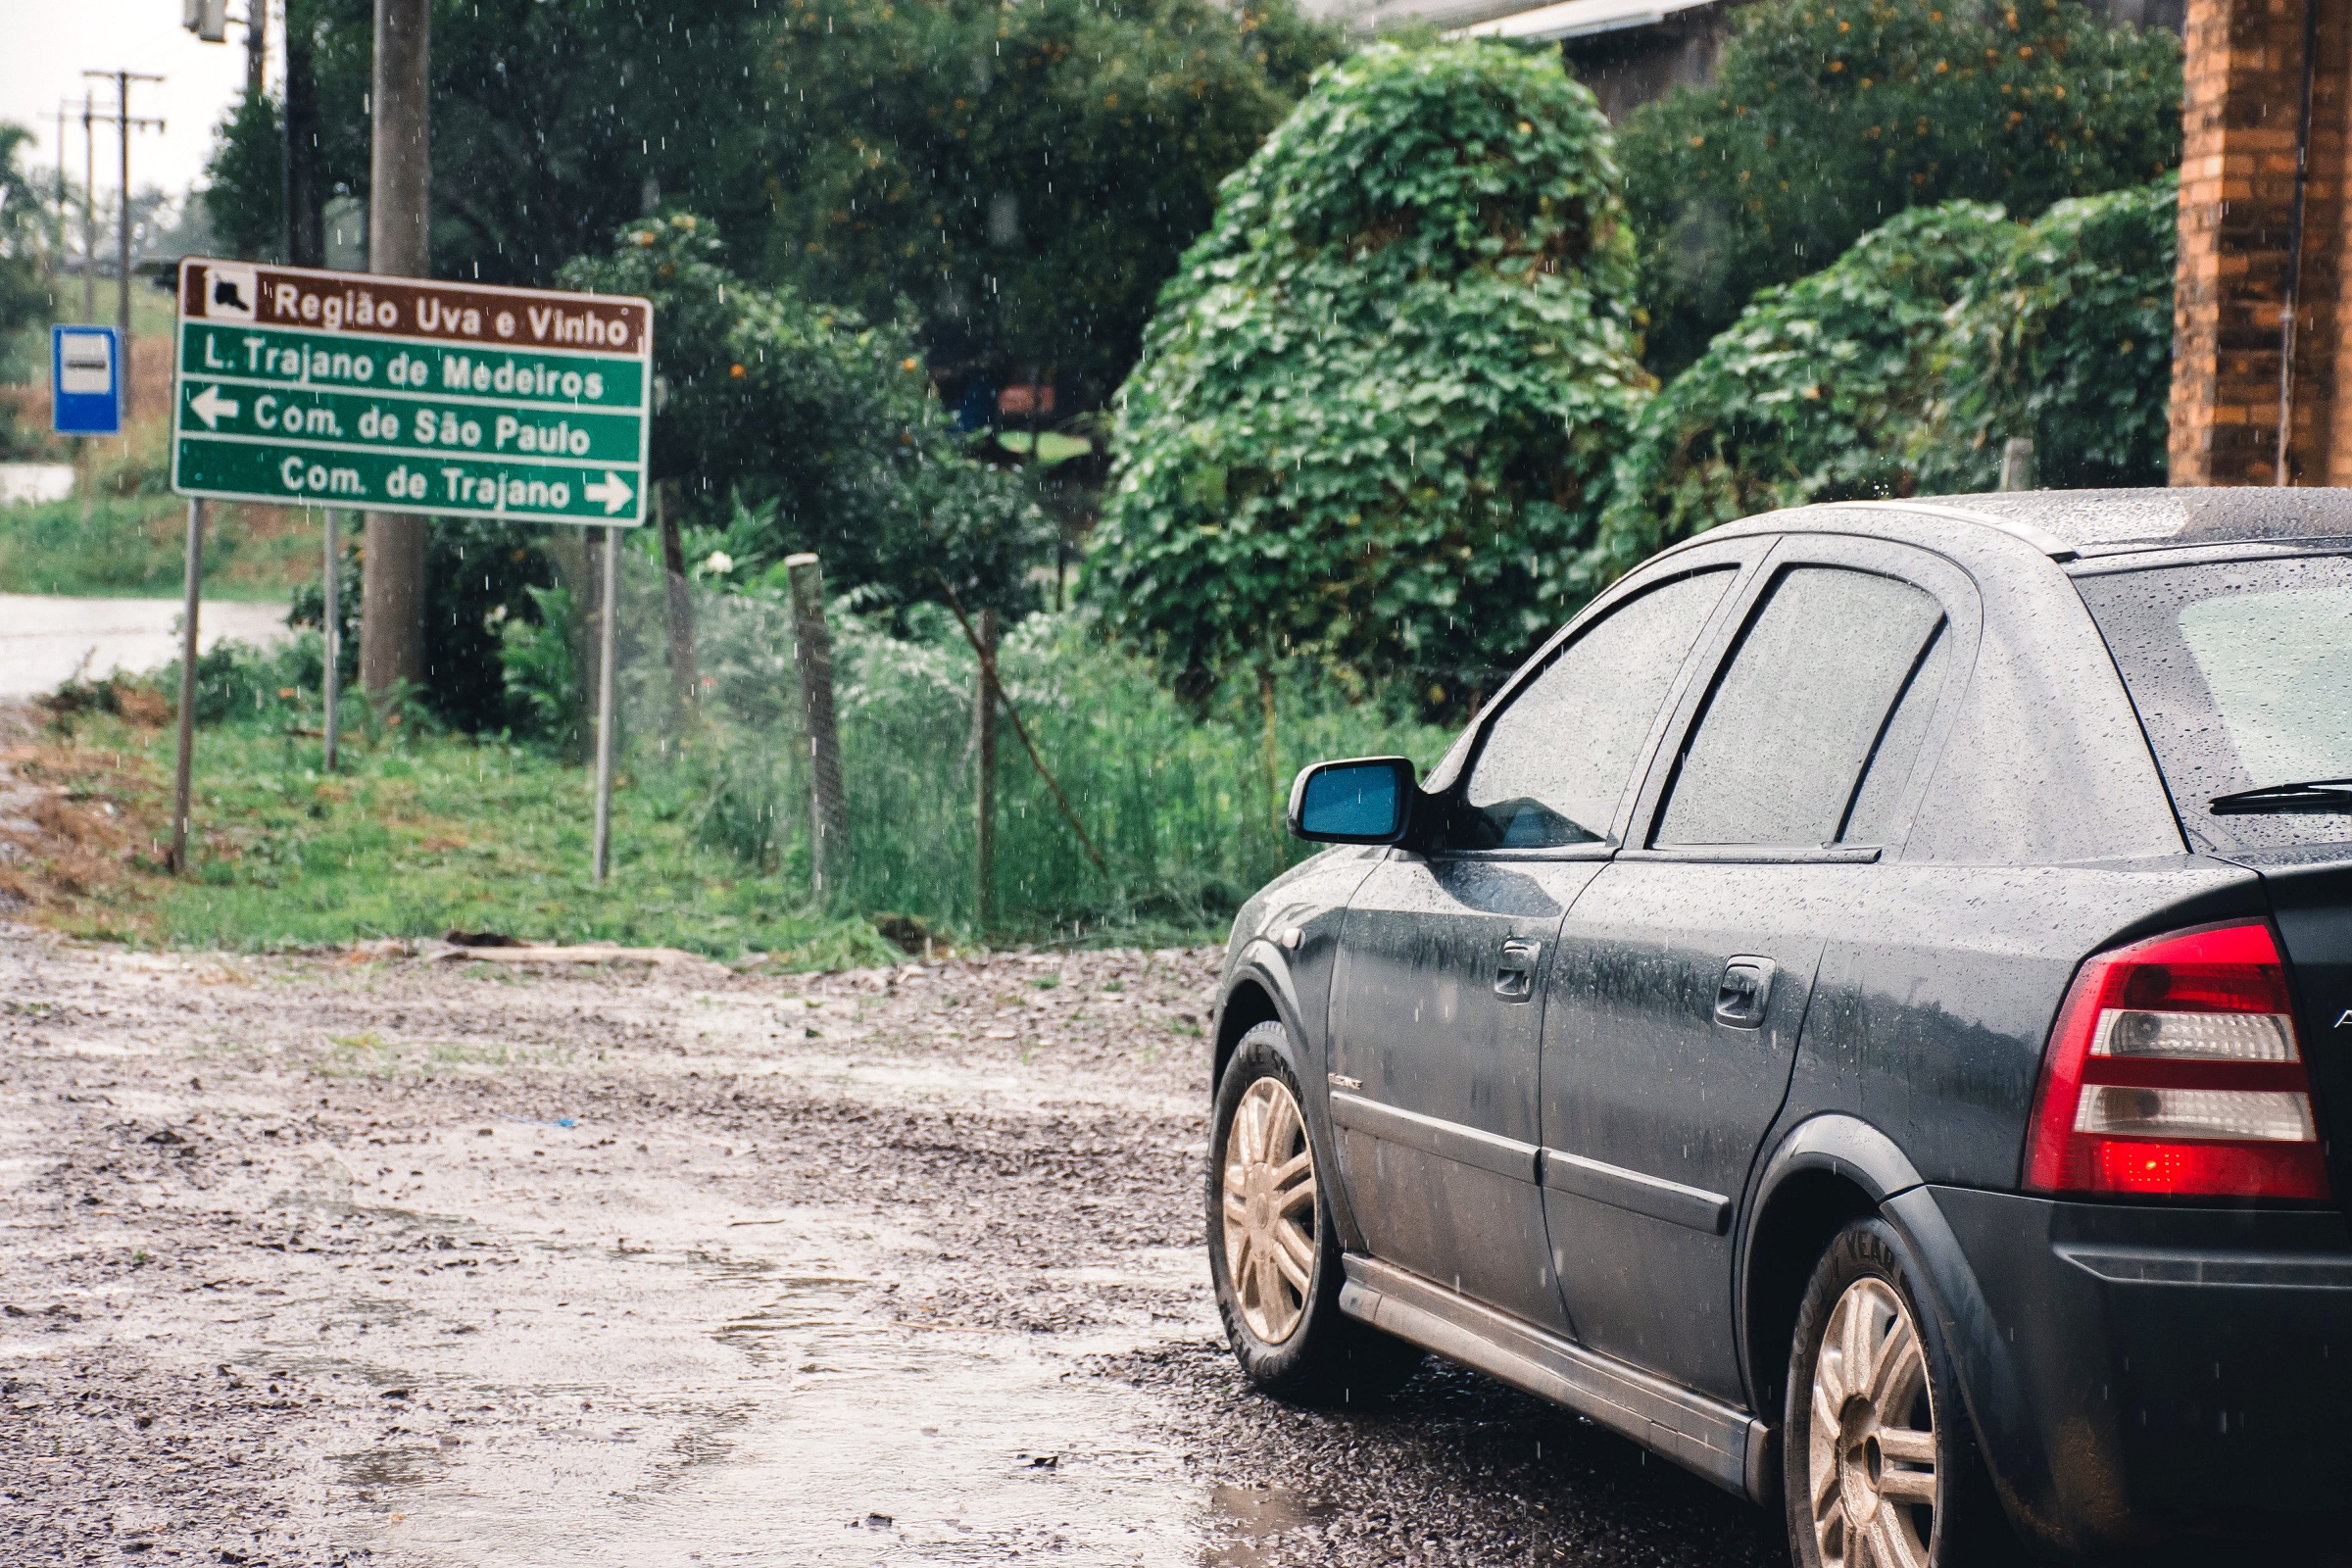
(2175, 1071)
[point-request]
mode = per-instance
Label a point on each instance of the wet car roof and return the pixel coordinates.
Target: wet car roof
(2090, 523)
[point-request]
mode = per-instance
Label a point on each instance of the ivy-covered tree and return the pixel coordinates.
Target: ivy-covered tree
(788, 425)
(1906, 366)
(1375, 413)
(2069, 342)
(1828, 117)
(1026, 175)
(1814, 394)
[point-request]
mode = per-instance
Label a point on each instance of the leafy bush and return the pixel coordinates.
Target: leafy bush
(1813, 394)
(1825, 120)
(825, 427)
(2068, 341)
(1375, 411)
(541, 670)
(1907, 364)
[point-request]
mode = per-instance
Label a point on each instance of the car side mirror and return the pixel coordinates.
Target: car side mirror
(1365, 799)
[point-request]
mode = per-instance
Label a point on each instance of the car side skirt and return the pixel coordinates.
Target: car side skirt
(1729, 1446)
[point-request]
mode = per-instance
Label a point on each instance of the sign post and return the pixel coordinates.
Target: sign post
(330, 618)
(358, 390)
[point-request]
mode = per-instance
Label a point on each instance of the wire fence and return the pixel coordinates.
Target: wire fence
(1184, 805)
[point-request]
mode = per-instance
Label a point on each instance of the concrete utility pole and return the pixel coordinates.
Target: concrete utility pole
(398, 220)
(58, 255)
(123, 121)
(89, 219)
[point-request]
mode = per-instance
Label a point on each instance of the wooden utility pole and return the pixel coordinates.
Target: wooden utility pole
(257, 45)
(399, 223)
(812, 652)
(984, 771)
(305, 201)
(127, 124)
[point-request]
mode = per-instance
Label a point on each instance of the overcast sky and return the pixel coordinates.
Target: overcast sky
(45, 45)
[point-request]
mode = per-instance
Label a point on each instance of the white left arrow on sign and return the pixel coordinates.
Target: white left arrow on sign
(212, 408)
(615, 492)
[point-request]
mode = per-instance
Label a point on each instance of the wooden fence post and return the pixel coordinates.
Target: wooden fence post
(812, 652)
(679, 602)
(984, 757)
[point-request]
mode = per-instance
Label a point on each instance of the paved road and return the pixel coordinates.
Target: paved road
(313, 1261)
(44, 640)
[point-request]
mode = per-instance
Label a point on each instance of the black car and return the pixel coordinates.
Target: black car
(1858, 1013)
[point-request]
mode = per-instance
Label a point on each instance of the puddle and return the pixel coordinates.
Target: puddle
(1253, 1520)
(690, 1400)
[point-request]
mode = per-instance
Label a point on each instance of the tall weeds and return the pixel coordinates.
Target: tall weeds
(1177, 802)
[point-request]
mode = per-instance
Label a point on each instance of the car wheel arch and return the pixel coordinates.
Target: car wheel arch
(1258, 991)
(1825, 1172)
(1249, 999)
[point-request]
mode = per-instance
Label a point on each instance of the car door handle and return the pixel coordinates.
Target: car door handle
(1515, 970)
(1743, 993)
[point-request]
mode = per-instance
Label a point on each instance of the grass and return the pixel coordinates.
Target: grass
(1052, 446)
(128, 540)
(135, 548)
(414, 837)
(711, 834)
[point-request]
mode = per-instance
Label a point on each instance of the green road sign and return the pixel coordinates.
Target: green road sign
(340, 389)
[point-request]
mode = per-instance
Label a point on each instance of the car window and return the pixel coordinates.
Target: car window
(2242, 673)
(1809, 696)
(1555, 762)
(1872, 817)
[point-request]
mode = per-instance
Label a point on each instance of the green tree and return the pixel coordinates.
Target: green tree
(550, 124)
(245, 191)
(1027, 175)
(818, 429)
(1373, 415)
(2068, 341)
(1825, 120)
(25, 260)
(24, 246)
(1814, 394)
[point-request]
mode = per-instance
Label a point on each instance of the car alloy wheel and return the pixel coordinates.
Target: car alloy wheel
(1871, 1449)
(1268, 1205)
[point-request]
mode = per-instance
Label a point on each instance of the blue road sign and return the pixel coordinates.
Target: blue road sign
(85, 379)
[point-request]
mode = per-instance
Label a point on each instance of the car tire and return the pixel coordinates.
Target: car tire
(1880, 1469)
(1268, 1210)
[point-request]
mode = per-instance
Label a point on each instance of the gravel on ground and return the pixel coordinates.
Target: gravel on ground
(364, 1258)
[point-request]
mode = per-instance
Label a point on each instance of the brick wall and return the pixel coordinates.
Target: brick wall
(2244, 82)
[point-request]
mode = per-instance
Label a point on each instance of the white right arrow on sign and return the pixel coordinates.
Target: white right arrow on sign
(615, 492)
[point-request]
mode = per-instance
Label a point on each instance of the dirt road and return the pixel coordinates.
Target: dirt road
(377, 1259)
(45, 640)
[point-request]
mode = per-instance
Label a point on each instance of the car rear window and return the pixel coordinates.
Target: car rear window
(2243, 674)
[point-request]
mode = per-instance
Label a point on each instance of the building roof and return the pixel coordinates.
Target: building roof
(1506, 19)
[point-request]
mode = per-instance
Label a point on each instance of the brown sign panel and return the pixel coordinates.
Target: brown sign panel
(369, 305)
